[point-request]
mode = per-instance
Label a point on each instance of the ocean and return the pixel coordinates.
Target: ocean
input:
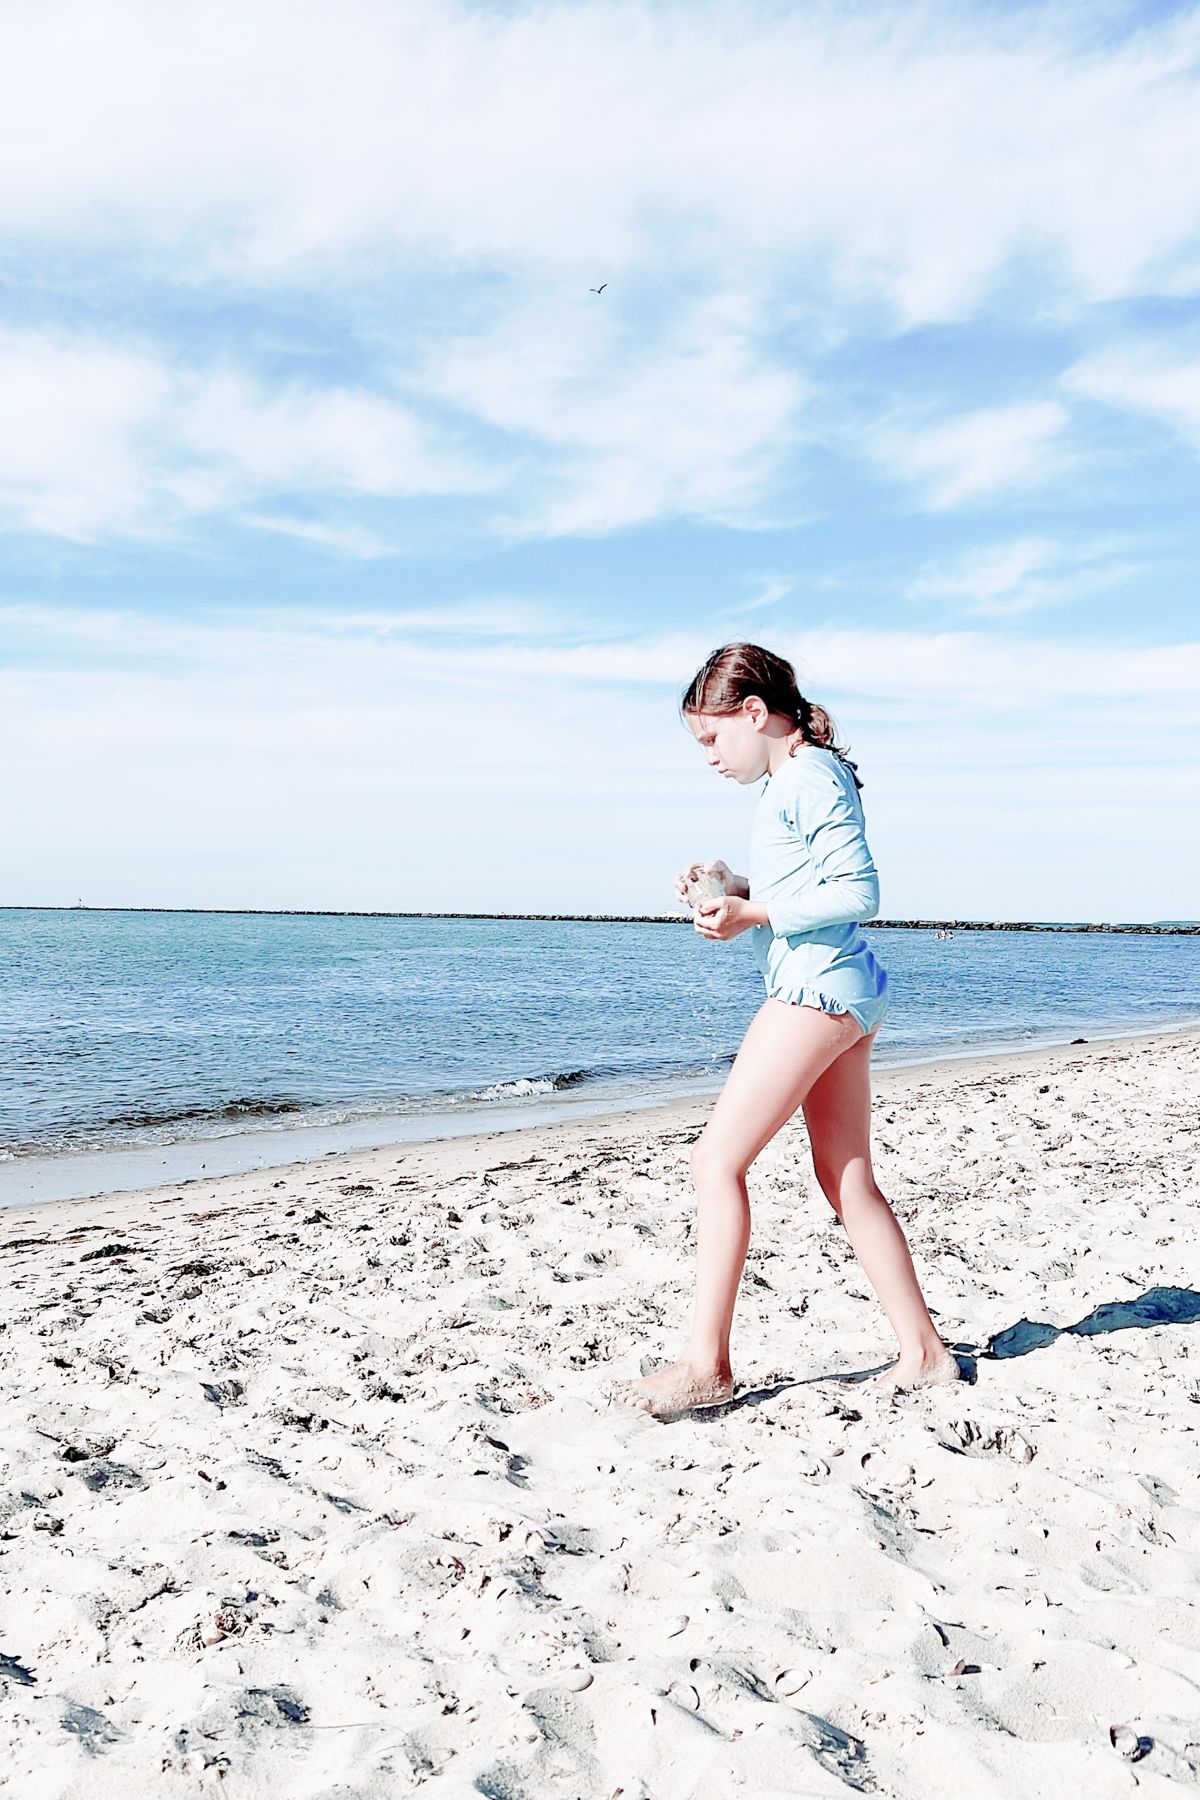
(127, 1030)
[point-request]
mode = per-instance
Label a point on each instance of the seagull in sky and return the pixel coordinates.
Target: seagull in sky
(598, 290)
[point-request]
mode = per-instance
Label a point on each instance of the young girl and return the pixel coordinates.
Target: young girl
(811, 884)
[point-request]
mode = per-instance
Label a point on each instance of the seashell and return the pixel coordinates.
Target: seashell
(704, 887)
(575, 1680)
(674, 1626)
(685, 1695)
(1126, 1742)
(790, 1681)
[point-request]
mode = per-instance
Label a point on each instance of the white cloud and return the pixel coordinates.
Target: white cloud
(72, 421)
(1024, 575)
(328, 439)
(1145, 378)
(958, 669)
(754, 183)
(98, 440)
(630, 422)
(771, 590)
(446, 181)
(604, 430)
(899, 155)
(975, 455)
(317, 759)
(348, 540)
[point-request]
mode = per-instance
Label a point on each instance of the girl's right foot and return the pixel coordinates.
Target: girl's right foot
(918, 1369)
(675, 1390)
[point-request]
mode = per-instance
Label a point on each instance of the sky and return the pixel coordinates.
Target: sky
(356, 554)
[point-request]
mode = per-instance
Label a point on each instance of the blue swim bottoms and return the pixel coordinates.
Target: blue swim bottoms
(868, 1012)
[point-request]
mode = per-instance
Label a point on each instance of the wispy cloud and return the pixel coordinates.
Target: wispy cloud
(101, 440)
(908, 156)
(346, 540)
(426, 191)
(964, 668)
(286, 760)
(1023, 575)
(1155, 379)
(975, 455)
(771, 589)
(682, 416)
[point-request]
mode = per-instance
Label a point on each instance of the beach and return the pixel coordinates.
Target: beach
(309, 1487)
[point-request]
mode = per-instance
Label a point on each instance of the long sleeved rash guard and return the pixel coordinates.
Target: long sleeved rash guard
(810, 864)
(811, 868)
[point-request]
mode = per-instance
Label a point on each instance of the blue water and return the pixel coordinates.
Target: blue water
(138, 1028)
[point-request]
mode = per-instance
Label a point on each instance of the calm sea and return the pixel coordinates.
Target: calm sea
(148, 1028)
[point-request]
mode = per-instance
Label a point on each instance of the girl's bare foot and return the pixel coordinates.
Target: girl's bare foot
(681, 1388)
(921, 1368)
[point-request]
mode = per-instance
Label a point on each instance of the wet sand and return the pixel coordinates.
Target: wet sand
(307, 1486)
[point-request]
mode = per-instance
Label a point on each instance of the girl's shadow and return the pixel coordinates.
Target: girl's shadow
(1157, 1306)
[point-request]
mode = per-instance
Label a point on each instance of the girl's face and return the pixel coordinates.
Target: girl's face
(734, 743)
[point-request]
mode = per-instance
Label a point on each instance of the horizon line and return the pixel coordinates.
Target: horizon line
(1182, 926)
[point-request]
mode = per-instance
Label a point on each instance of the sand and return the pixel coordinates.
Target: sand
(307, 1487)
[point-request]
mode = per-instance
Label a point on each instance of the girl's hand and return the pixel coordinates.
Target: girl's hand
(721, 920)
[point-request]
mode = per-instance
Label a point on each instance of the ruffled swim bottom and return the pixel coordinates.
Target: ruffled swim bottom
(867, 1012)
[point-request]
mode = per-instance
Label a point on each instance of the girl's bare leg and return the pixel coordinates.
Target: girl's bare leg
(837, 1111)
(786, 1050)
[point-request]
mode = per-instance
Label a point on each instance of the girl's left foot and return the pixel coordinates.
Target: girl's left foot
(920, 1369)
(679, 1389)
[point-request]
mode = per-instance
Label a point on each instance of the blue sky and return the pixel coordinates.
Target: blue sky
(355, 554)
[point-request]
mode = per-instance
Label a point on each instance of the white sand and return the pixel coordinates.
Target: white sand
(310, 1491)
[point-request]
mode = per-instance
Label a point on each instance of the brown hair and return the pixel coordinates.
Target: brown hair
(735, 671)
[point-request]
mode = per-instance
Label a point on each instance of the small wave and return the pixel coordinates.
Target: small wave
(513, 1090)
(526, 1086)
(572, 1078)
(233, 1109)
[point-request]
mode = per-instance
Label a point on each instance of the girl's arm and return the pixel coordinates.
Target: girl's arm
(848, 887)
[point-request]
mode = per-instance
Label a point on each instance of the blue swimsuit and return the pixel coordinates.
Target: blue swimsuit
(810, 866)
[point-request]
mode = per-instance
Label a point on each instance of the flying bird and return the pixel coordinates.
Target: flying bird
(598, 290)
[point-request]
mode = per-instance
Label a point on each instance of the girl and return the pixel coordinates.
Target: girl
(811, 883)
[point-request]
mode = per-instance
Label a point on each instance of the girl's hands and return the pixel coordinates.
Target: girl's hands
(724, 919)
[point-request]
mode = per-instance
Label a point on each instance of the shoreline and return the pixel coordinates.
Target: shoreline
(69, 1178)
